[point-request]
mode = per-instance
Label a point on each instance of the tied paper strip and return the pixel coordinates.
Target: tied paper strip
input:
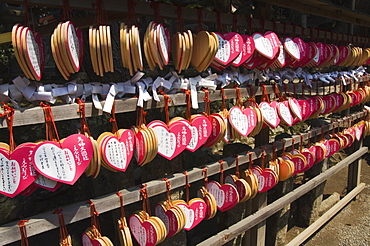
(171, 83)
(118, 90)
(160, 82)
(208, 82)
(144, 95)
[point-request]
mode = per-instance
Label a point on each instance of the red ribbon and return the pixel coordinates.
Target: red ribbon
(235, 22)
(22, 228)
(200, 21)
(179, 18)
(166, 104)
(157, 15)
(9, 117)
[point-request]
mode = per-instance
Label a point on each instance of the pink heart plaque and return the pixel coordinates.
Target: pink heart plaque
(226, 195)
(63, 162)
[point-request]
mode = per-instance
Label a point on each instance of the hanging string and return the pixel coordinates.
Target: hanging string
(301, 142)
(237, 173)
(262, 25)
(263, 155)
(188, 104)
(294, 29)
(113, 118)
(140, 118)
(157, 15)
(274, 26)
(131, 12)
(293, 142)
(94, 216)
(63, 233)
(207, 102)
(311, 34)
(26, 15)
(204, 172)
(84, 128)
(332, 37)
(250, 160)
(219, 23)
(278, 93)
(285, 31)
(200, 21)
(99, 19)
(318, 35)
(119, 194)
(144, 195)
(187, 186)
(166, 104)
(251, 93)
(322, 132)
(9, 117)
(223, 98)
(168, 190)
(239, 100)
(295, 90)
(302, 30)
(249, 20)
(22, 228)
(51, 129)
(235, 22)
(66, 11)
(222, 179)
(179, 18)
(274, 151)
(265, 96)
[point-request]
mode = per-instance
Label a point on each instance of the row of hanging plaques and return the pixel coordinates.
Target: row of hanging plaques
(201, 50)
(172, 216)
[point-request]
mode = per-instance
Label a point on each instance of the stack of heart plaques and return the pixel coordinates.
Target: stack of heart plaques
(92, 236)
(204, 50)
(210, 201)
(182, 50)
(146, 144)
(67, 48)
(172, 215)
(29, 51)
(116, 150)
(157, 45)
(131, 48)
(100, 43)
(146, 229)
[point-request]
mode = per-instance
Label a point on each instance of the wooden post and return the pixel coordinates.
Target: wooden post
(257, 236)
(354, 170)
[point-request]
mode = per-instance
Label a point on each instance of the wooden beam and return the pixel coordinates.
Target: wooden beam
(79, 211)
(303, 236)
(247, 223)
(35, 115)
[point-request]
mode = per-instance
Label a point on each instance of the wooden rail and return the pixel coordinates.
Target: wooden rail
(35, 115)
(262, 214)
(326, 216)
(79, 211)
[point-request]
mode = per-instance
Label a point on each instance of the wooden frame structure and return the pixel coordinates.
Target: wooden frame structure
(80, 211)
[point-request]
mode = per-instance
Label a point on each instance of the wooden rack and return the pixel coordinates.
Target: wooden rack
(43, 222)
(47, 221)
